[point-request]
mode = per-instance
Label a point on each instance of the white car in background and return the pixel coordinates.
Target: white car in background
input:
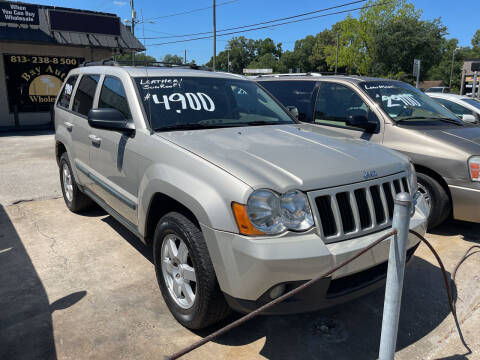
(464, 107)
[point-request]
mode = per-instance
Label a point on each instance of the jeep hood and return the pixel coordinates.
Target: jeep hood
(283, 157)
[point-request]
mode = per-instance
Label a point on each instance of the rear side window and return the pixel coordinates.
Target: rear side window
(294, 93)
(83, 101)
(113, 96)
(66, 94)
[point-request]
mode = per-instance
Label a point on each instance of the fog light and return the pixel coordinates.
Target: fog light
(277, 291)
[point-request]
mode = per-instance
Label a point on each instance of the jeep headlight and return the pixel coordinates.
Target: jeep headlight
(296, 211)
(271, 213)
(412, 179)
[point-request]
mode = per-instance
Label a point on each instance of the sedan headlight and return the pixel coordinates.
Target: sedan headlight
(271, 213)
(412, 179)
(474, 167)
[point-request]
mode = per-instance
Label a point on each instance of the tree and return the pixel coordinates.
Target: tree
(404, 39)
(172, 59)
(138, 57)
(245, 51)
(476, 40)
(358, 46)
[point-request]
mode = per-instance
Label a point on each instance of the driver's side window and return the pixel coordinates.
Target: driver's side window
(336, 103)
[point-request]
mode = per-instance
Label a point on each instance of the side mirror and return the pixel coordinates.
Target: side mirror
(294, 111)
(109, 119)
(469, 118)
(362, 122)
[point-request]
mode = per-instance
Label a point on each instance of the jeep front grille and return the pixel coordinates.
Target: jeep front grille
(354, 210)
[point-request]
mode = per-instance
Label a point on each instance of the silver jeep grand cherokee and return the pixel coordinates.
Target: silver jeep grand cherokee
(240, 201)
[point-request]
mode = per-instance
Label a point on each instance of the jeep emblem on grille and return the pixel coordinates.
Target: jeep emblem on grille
(369, 174)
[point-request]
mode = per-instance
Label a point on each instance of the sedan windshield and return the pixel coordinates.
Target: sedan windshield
(184, 103)
(473, 102)
(402, 102)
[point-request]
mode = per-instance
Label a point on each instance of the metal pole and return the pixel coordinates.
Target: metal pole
(474, 85)
(185, 57)
(133, 17)
(336, 54)
(228, 60)
(451, 68)
(395, 273)
(418, 76)
(214, 36)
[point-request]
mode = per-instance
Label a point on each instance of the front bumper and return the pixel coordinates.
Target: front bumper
(465, 200)
(248, 268)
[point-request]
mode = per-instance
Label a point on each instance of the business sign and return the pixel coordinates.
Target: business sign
(33, 82)
(416, 67)
(257, 71)
(18, 13)
(61, 20)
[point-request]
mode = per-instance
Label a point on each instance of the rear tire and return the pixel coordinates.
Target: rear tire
(436, 197)
(75, 200)
(178, 249)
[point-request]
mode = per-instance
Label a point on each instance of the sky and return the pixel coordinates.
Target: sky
(244, 12)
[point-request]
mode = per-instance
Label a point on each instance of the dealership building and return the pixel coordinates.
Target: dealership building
(39, 45)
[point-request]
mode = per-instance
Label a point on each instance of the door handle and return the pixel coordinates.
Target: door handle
(68, 125)
(95, 139)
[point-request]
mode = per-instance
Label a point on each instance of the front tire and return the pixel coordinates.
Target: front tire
(75, 200)
(185, 273)
(436, 198)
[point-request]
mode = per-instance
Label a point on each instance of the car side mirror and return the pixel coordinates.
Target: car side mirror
(469, 118)
(362, 122)
(109, 119)
(294, 111)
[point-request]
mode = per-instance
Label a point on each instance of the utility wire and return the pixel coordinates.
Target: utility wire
(191, 11)
(261, 23)
(271, 26)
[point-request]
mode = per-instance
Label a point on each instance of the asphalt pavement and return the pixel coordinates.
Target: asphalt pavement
(82, 287)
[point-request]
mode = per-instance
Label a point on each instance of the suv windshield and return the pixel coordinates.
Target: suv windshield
(195, 102)
(403, 102)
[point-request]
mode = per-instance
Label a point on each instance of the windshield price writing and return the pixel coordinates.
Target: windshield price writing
(193, 101)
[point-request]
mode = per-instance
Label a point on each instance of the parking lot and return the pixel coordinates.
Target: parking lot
(81, 286)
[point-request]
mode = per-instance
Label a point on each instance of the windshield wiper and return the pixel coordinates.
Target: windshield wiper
(447, 120)
(257, 123)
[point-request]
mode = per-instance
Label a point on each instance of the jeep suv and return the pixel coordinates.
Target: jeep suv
(240, 201)
(444, 150)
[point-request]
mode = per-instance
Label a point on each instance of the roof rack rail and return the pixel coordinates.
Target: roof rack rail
(142, 63)
(290, 74)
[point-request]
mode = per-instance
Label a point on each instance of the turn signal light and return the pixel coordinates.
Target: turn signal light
(243, 222)
(474, 165)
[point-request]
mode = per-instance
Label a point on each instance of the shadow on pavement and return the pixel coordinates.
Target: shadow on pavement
(468, 230)
(143, 249)
(26, 330)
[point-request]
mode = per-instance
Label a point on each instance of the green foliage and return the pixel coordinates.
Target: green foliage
(138, 57)
(476, 40)
(172, 59)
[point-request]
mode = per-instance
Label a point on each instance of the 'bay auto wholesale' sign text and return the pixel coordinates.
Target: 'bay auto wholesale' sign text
(33, 82)
(18, 13)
